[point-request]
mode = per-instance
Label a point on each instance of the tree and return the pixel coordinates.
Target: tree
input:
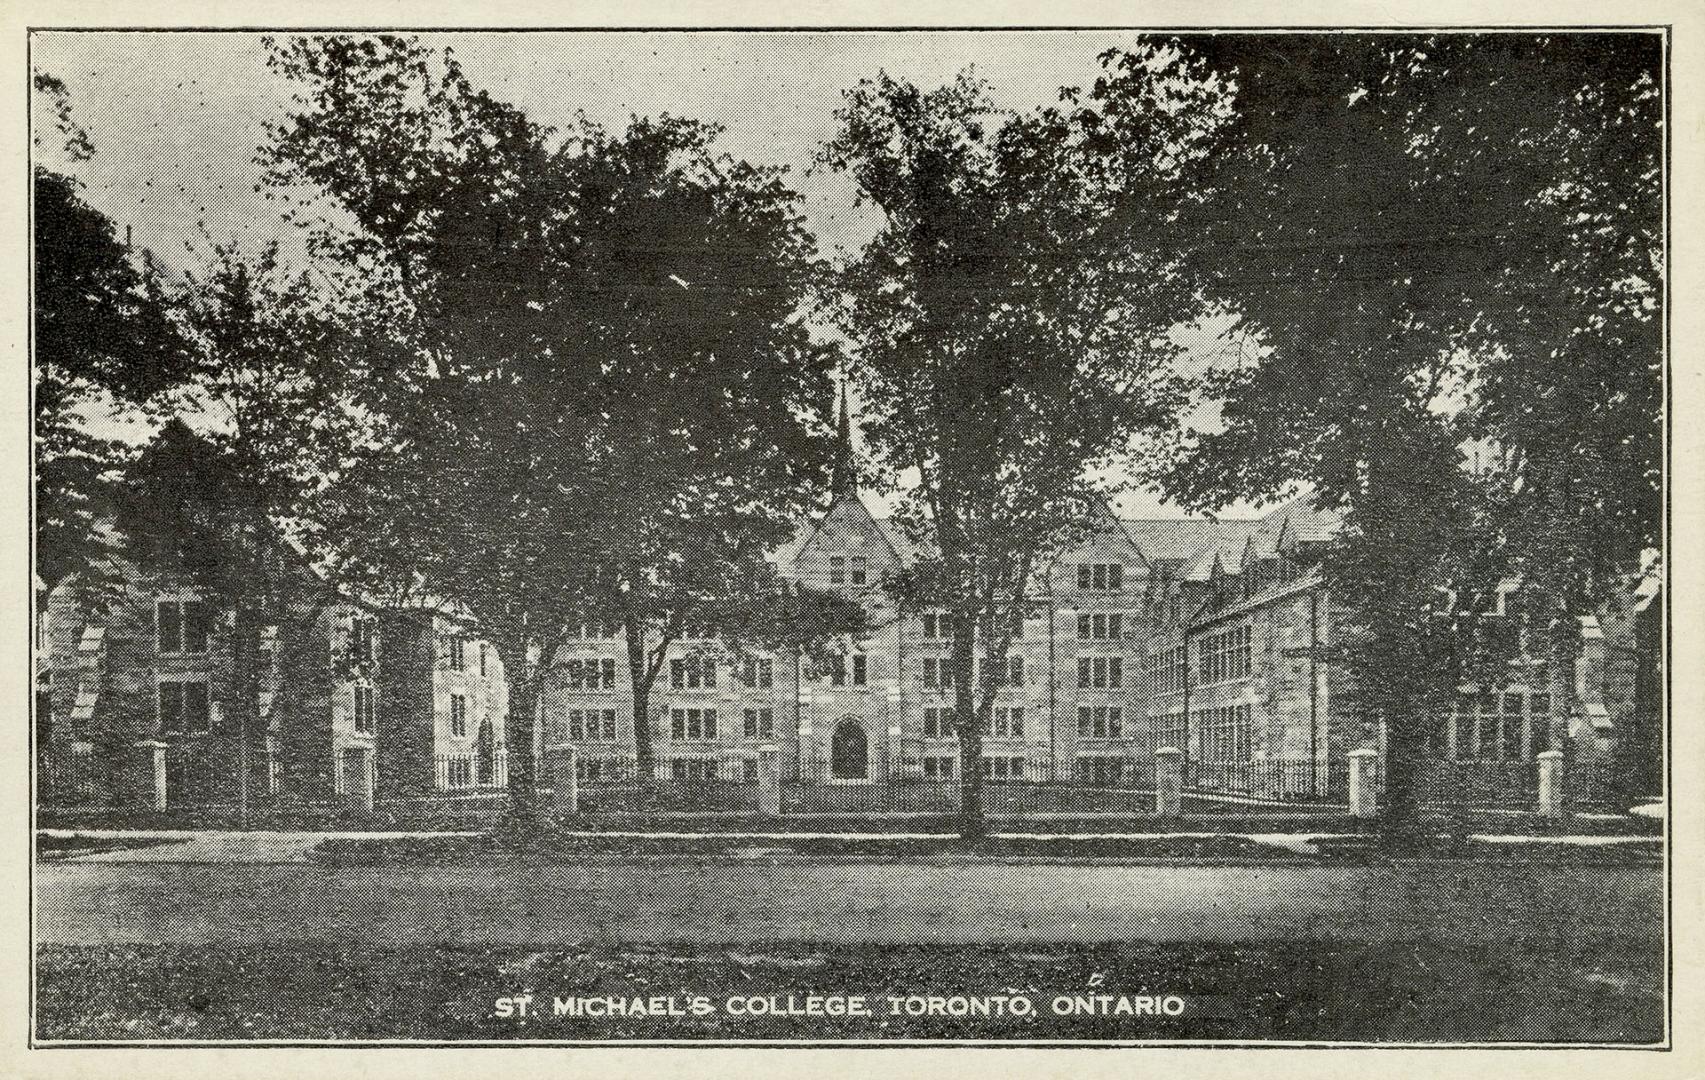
(104, 332)
(602, 403)
(1383, 216)
(1001, 359)
(219, 504)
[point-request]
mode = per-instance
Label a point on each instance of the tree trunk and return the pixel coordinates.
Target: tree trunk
(644, 754)
(1400, 803)
(243, 700)
(972, 818)
(521, 738)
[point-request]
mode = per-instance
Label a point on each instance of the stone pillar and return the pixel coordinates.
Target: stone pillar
(152, 772)
(1364, 796)
(769, 780)
(1551, 784)
(567, 781)
(1168, 781)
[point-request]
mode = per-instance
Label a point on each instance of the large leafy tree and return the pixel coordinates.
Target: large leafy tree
(104, 334)
(601, 402)
(261, 419)
(1405, 227)
(1002, 356)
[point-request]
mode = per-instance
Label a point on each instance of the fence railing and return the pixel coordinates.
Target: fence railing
(471, 771)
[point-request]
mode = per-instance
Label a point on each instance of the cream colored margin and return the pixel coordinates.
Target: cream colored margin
(1687, 362)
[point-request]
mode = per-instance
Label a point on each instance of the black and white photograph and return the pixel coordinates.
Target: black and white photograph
(805, 537)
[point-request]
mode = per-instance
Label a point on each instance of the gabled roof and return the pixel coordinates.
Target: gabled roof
(1185, 538)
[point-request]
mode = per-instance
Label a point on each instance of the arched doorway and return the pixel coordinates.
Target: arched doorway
(849, 754)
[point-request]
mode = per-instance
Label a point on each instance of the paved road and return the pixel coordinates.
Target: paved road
(733, 901)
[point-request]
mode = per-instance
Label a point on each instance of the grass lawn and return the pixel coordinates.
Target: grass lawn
(1425, 991)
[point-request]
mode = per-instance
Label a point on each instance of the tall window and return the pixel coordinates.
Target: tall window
(860, 570)
(837, 569)
(760, 674)
(592, 674)
(592, 725)
(1223, 734)
(182, 626)
(364, 710)
(860, 669)
(1100, 722)
(692, 723)
(1100, 672)
(184, 708)
(458, 653)
(482, 659)
(937, 672)
(1224, 656)
(836, 669)
(458, 715)
(361, 640)
(1005, 724)
(760, 724)
(937, 722)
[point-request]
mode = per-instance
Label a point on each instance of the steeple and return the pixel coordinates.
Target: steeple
(845, 479)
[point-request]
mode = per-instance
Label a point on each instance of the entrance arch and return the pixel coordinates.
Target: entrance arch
(849, 753)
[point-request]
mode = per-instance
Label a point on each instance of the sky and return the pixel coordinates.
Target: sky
(177, 119)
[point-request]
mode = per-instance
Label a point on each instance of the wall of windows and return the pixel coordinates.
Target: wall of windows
(1223, 733)
(1101, 771)
(1224, 656)
(1165, 668)
(1508, 725)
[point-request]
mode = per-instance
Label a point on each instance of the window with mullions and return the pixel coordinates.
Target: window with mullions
(1224, 656)
(758, 674)
(1101, 577)
(859, 571)
(1003, 767)
(937, 672)
(1010, 673)
(1100, 672)
(182, 626)
(184, 708)
(938, 722)
(1100, 771)
(458, 715)
(365, 711)
(1100, 722)
(1004, 723)
(760, 724)
(1223, 734)
(690, 674)
(837, 569)
(939, 767)
(1105, 626)
(592, 725)
(690, 724)
(693, 768)
(595, 674)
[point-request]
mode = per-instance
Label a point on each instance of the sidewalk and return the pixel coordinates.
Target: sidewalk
(211, 846)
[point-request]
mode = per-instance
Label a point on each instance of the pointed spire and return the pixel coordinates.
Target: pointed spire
(845, 479)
